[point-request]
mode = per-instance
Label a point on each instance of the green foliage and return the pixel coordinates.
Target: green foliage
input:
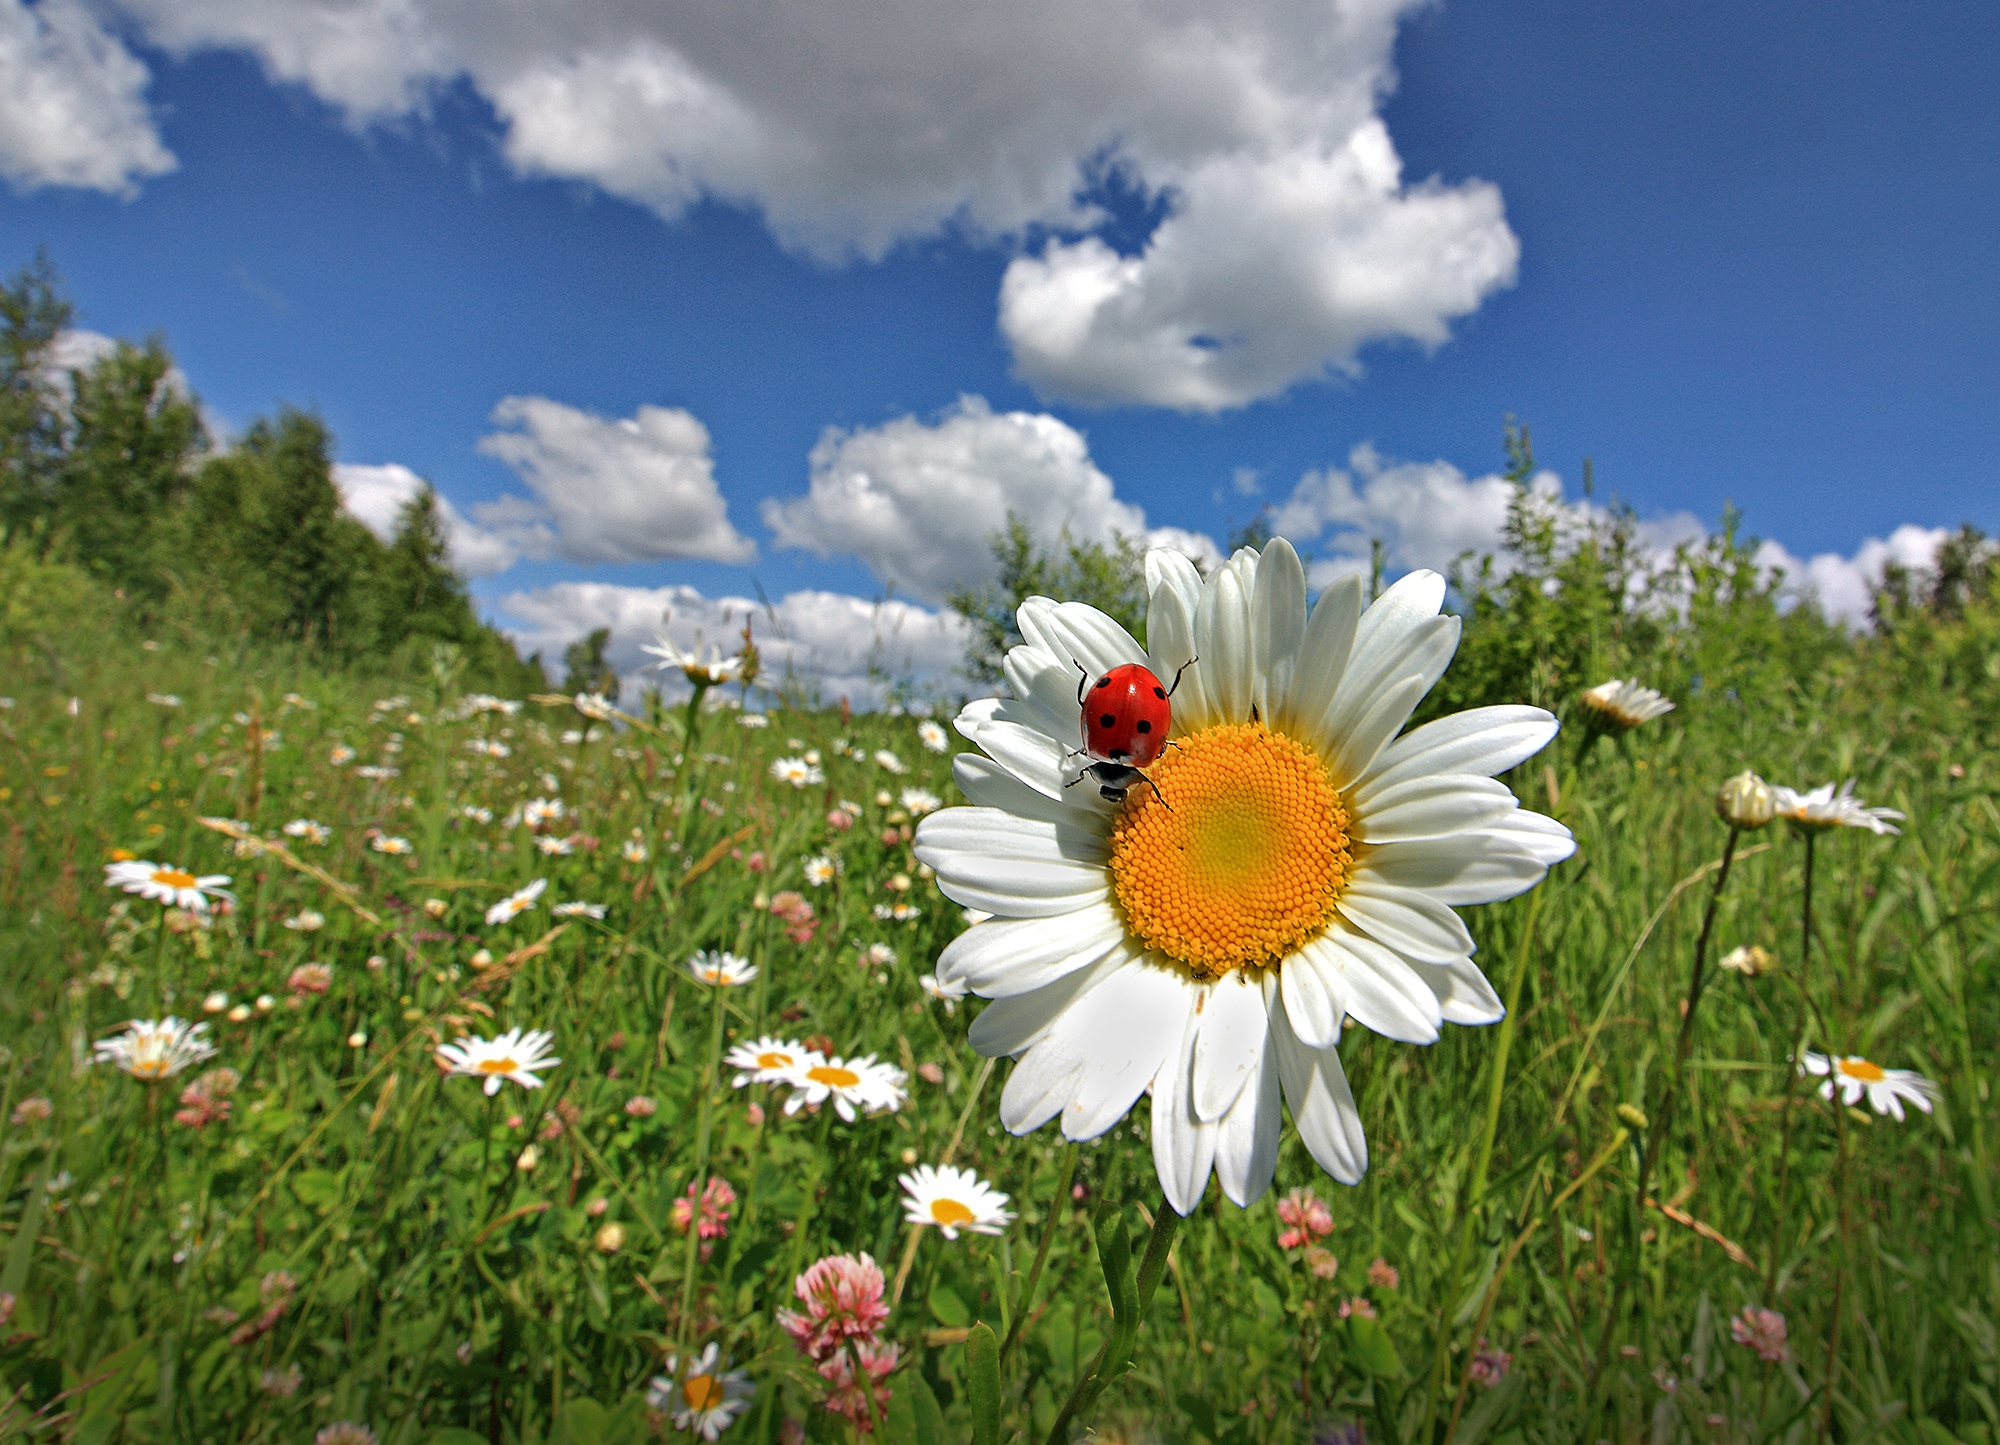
(33, 313)
(1110, 578)
(586, 669)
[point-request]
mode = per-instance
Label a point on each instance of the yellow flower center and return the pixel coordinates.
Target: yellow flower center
(497, 1066)
(833, 1078)
(155, 1068)
(1243, 862)
(703, 1392)
(1861, 1069)
(950, 1211)
(173, 877)
(773, 1061)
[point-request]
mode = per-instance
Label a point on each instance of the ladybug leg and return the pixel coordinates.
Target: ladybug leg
(1156, 792)
(1177, 675)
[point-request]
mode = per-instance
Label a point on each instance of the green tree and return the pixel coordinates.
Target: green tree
(33, 313)
(1111, 578)
(586, 668)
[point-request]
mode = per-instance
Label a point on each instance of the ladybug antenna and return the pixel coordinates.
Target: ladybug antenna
(1081, 681)
(1177, 676)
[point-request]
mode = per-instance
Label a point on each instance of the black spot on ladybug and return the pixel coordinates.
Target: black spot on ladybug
(1144, 725)
(1106, 721)
(1104, 681)
(1159, 691)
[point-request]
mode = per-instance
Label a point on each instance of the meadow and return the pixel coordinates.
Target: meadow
(318, 1233)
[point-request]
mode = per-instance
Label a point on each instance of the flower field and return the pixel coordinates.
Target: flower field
(396, 1063)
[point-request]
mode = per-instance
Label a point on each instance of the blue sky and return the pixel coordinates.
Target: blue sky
(1732, 253)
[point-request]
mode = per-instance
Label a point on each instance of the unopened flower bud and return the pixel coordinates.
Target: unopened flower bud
(610, 1237)
(1633, 1115)
(1745, 801)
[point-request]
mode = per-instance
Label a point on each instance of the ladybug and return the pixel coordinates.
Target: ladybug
(1126, 714)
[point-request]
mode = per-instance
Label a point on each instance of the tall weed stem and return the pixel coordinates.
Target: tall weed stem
(1794, 1054)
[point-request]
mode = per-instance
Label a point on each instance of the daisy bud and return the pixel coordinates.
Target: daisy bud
(1749, 960)
(610, 1237)
(215, 1003)
(435, 907)
(1633, 1115)
(1745, 801)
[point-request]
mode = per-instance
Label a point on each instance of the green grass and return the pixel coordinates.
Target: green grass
(441, 1289)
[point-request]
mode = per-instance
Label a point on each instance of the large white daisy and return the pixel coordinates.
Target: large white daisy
(1299, 864)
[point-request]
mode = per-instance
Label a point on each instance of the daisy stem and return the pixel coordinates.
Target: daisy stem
(1663, 1115)
(1797, 1043)
(1058, 1208)
(700, 1182)
(950, 1153)
(1116, 1352)
(1839, 1263)
(1476, 1188)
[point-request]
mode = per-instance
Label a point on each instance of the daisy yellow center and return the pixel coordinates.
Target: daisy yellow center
(149, 1068)
(833, 1078)
(497, 1066)
(174, 878)
(773, 1061)
(1239, 858)
(1861, 1069)
(950, 1211)
(703, 1392)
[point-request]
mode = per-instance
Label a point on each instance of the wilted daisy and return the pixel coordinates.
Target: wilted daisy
(853, 1084)
(164, 883)
(1824, 808)
(1886, 1088)
(574, 909)
(721, 969)
(770, 1061)
(515, 903)
(308, 830)
(1622, 703)
(708, 1401)
(155, 1048)
(386, 843)
(514, 1055)
(920, 802)
(821, 870)
(932, 736)
(953, 1199)
(796, 771)
(1301, 864)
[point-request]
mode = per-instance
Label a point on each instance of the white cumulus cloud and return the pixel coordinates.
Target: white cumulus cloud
(375, 494)
(831, 643)
(920, 502)
(637, 489)
(1844, 587)
(72, 103)
(1291, 237)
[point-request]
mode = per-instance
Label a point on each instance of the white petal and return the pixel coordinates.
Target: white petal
(1091, 638)
(987, 784)
(1412, 923)
(1170, 640)
(1233, 1026)
(1183, 1146)
(1548, 841)
(1323, 1108)
(1277, 626)
(1382, 990)
(1486, 741)
(1350, 740)
(1028, 753)
(1122, 1030)
(1018, 1022)
(1432, 807)
(1246, 1143)
(1166, 567)
(1463, 993)
(1479, 867)
(1315, 997)
(1044, 688)
(1006, 956)
(1222, 640)
(1323, 654)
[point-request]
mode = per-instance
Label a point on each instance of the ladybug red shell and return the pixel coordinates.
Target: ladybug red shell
(1126, 715)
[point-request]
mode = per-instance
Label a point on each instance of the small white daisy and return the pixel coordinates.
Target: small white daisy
(551, 847)
(376, 773)
(164, 883)
(155, 1048)
(947, 994)
(753, 720)
(540, 812)
(513, 1055)
(308, 830)
(853, 1084)
(932, 736)
(515, 903)
(1824, 808)
(716, 669)
(163, 699)
(306, 920)
(634, 850)
(476, 814)
(821, 870)
(953, 1199)
(1622, 704)
(920, 802)
(594, 705)
(708, 1401)
(770, 1061)
(889, 761)
(488, 748)
(341, 755)
(1886, 1088)
(574, 909)
(797, 771)
(721, 969)
(384, 843)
